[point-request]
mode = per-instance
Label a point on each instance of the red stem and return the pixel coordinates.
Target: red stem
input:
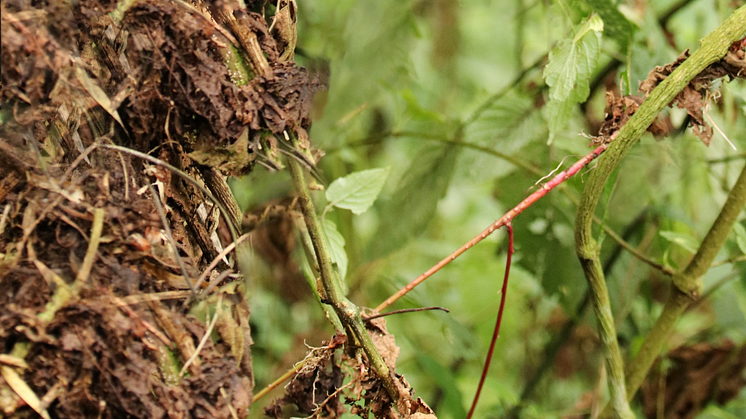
(496, 332)
(504, 220)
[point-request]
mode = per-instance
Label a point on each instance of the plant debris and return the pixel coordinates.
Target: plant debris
(322, 378)
(99, 246)
(693, 376)
(697, 95)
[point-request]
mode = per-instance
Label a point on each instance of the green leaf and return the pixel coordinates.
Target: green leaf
(557, 113)
(740, 236)
(569, 72)
(416, 110)
(510, 122)
(408, 213)
(688, 242)
(336, 244)
(357, 191)
(453, 399)
(571, 63)
(614, 23)
(594, 23)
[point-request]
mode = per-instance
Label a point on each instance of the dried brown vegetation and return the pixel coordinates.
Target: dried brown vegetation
(100, 247)
(121, 122)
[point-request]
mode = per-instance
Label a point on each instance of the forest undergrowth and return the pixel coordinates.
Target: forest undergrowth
(127, 262)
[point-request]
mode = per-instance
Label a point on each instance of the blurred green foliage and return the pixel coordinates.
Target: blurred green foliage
(428, 89)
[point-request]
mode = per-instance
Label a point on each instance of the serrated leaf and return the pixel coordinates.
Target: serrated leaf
(413, 205)
(557, 114)
(336, 244)
(740, 232)
(569, 71)
(357, 191)
(571, 63)
(688, 242)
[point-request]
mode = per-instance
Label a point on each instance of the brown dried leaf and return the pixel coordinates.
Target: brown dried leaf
(702, 373)
(695, 96)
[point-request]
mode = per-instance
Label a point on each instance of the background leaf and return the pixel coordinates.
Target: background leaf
(410, 210)
(686, 241)
(740, 232)
(615, 24)
(357, 191)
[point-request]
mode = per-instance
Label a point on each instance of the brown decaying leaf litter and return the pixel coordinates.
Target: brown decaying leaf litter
(98, 245)
(315, 389)
(694, 377)
(698, 94)
(695, 98)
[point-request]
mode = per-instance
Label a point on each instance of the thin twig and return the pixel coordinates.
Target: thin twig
(495, 97)
(333, 344)
(23, 390)
(156, 296)
(532, 169)
(505, 219)
(124, 306)
(218, 258)
(202, 342)
(347, 311)
(4, 217)
(226, 215)
(213, 283)
(90, 255)
(171, 241)
(82, 156)
(736, 259)
(727, 159)
(405, 310)
(271, 386)
(496, 332)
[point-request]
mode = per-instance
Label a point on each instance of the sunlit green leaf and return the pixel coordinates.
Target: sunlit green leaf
(569, 72)
(570, 66)
(557, 113)
(357, 191)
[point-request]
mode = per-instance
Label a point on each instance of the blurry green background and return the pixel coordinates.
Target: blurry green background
(404, 78)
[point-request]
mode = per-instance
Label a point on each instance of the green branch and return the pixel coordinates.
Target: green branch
(329, 288)
(713, 48)
(606, 330)
(687, 285)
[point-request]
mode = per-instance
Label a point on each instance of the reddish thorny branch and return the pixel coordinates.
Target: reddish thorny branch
(503, 221)
(496, 332)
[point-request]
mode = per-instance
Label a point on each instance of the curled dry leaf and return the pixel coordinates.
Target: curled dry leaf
(617, 113)
(695, 97)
